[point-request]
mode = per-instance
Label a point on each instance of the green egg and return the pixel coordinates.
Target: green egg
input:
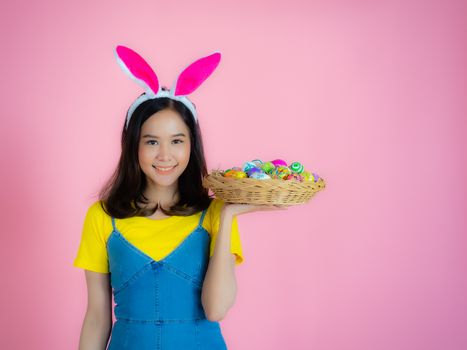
(297, 168)
(267, 167)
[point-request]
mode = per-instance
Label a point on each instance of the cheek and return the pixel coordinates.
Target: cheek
(140, 154)
(184, 154)
(143, 155)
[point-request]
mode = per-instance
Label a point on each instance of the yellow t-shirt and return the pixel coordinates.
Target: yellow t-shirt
(156, 238)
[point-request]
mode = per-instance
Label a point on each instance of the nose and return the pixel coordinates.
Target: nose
(164, 152)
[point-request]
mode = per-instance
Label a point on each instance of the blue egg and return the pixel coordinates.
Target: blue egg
(260, 175)
(254, 170)
(248, 165)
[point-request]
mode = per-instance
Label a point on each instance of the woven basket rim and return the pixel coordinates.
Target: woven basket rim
(218, 174)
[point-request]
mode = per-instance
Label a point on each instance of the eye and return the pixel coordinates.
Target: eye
(149, 142)
(179, 141)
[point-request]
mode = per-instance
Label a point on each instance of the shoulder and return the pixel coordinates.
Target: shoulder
(97, 219)
(92, 253)
(96, 211)
(215, 208)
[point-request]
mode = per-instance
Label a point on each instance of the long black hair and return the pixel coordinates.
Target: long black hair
(122, 194)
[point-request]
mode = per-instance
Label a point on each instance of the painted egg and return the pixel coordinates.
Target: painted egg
(248, 165)
(267, 167)
(253, 170)
(230, 173)
(282, 172)
(260, 175)
(307, 176)
(226, 172)
(278, 162)
(296, 167)
(275, 176)
(315, 176)
(258, 162)
(240, 175)
(295, 177)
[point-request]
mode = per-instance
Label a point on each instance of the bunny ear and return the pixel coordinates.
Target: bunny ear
(196, 73)
(137, 68)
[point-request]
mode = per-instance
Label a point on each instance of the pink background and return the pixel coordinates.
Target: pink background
(369, 94)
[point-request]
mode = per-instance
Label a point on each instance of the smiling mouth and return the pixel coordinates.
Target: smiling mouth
(164, 170)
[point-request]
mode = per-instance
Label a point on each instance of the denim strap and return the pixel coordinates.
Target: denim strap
(202, 217)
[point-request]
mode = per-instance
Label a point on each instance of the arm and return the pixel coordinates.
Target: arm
(220, 286)
(97, 322)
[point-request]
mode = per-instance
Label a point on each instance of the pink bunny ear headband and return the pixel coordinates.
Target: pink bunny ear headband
(187, 81)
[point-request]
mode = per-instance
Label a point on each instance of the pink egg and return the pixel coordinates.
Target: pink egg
(278, 162)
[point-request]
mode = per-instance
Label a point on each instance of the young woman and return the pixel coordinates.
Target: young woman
(155, 238)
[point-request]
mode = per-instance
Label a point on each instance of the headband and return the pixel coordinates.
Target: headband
(187, 81)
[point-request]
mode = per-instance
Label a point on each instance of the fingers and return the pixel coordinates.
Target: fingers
(248, 208)
(282, 207)
(275, 207)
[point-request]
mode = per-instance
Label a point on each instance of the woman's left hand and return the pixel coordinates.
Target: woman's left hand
(238, 209)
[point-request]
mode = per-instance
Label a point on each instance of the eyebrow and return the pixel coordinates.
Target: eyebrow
(156, 137)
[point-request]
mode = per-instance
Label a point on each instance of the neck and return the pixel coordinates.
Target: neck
(165, 196)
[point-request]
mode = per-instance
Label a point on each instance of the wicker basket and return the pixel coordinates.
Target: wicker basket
(253, 191)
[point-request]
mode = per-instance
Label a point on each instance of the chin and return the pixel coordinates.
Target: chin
(165, 183)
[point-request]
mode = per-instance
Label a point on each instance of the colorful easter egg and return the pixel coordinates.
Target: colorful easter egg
(278, 162)
(260, 175)
(296, 167)
(226, 172)
(275, 175)
(267, 167)
(230, 173)
(258, 162)
(307, 176)
(248, 165)
(253, 170)
(295, 177)
(315, 176)
(282, 171)
(240, 175)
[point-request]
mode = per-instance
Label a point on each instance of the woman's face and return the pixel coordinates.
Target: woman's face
(164, 148)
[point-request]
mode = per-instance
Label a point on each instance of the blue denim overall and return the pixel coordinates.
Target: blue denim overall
(158, 303)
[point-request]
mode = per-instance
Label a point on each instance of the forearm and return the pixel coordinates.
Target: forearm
(95, 333)
(220, 286)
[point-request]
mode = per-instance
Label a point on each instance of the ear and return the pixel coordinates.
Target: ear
(137, 68)
(196, 73)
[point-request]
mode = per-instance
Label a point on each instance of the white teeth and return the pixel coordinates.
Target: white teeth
(165, 169)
